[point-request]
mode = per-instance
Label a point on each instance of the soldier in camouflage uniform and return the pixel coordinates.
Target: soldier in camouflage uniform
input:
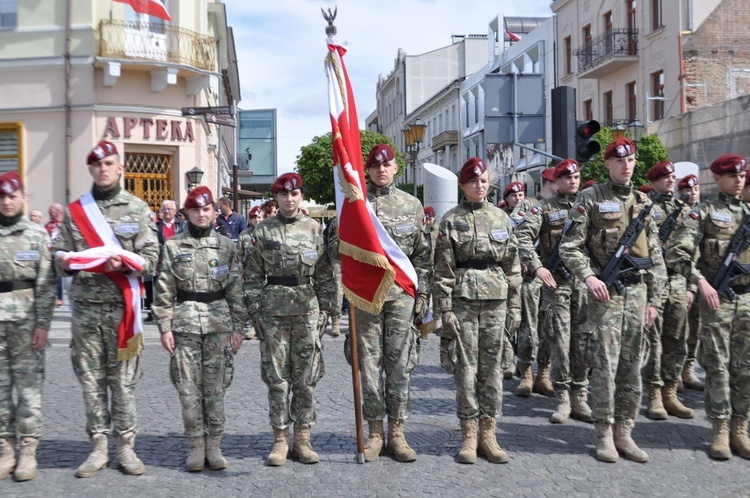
(725, 332)
(289, 287)
(476, 271)
(528, 340)
(565, 299)
(668, 335)
(254, 216)
(388, 342)
(98, 309)
(200, 312)
(331, 241)
(27, 297)
(601, 215)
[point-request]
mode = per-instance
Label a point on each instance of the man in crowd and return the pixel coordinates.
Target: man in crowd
(230, 223)
(55, 213)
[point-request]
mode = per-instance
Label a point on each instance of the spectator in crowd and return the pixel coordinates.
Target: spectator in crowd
(55, 213)
(35, 216)
(232, 223)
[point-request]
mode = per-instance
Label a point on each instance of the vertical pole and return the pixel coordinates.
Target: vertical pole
(235, 188)
(682, 74)
(358, 422)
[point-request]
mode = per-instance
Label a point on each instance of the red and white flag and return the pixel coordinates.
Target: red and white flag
(514, 37)
(370, 260)
(151, 7)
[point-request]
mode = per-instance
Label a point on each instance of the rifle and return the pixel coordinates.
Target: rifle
(666, 228)
(621, 261)
(731, 268)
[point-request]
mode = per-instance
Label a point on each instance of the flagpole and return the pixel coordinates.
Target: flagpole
(358, 422)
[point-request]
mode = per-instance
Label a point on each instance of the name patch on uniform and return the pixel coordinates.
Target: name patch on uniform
(184, 257)
(725, 217)
(220, 271)
(657, 215)
(405, 228)
(558, 215)
(567, 225)
(499, 234)
(27, 256)
(126, 228)
(310, 255)
(461, 227)
(609, 207)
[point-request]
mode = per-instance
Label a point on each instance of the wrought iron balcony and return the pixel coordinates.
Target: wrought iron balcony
(142, 41)
(612, 45)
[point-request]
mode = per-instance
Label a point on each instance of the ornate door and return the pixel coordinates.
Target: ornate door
(149, 177)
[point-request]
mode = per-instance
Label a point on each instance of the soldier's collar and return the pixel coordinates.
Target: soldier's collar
(620, 189)
(198, 232)
(378, 191)
(292, 219)
(7, 221)
(565, 197)
(657, 197)
(732, 201)
(101, 194)
(473, 206)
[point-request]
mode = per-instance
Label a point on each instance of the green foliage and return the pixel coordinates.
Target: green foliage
(315, 164)
(650, 151)
(409, 189)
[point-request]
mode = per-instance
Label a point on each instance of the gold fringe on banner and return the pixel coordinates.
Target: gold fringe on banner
(133, 348)
(378, 260)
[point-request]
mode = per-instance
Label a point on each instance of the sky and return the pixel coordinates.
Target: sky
(281, 46)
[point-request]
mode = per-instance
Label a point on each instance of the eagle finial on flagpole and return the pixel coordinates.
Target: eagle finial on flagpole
(330, 16)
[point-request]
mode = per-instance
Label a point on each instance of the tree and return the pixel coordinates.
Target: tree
(649, 151)
(315, 164)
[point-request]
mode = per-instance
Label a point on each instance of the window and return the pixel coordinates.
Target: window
(10, 147)
(657, 88)
(155, 24)
(631, 14)
(657, 20)
(568, 56)
(608, 38)
(8, 14)
(631, 101)
(588, 52)
(608, 111)
(588, 111)
(607, 18)
(587, 34)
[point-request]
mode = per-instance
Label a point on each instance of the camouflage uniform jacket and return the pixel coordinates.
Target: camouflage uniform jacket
(25, 256)
(544, 221)
(518, 215)
(402, 217)
(244, 243)
(131, 220)
(206, 264)
(476, 231)
(601, 215)
(704, 236)
(288, 247)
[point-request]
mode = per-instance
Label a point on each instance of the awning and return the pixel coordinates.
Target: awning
(242, 194)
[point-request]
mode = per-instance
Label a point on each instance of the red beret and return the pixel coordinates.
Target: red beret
(429, 211)
(589, 183)
(645, 189)
(689, 181)
(622, 147)
(254, 211)
(199, 197)
(380, 153)
(662, 169)
(549, 174)
(513, 187)
(101, 150)
(566, 167)
(287, 181)
(728, 163)
(10, 182)
(472, 168)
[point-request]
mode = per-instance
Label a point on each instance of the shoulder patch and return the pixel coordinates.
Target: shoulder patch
(521, 214)
(534, 209)
(695, 214)
(581, 208)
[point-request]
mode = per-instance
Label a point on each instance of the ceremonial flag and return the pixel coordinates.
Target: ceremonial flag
(370, 260)
(151, 7)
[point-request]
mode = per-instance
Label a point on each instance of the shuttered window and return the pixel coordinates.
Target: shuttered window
(10, 147)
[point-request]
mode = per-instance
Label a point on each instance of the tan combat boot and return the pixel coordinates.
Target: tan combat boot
(509, 372)
(302, 449)
(488, 446)
(335, 329)
(126, 457)
(250, 334)
(216, 460)
(562, 410)
(689, 379)
(739, 441)
(26, 466)
(527, 380)
(374, 445)
(581, 410)
(656, 409)
(97, 459)
(280, 448)
(7, 456)
(624, 441)
(605, 445)
(720, 443)
(196, 458)
(542, 384)
(468, 451)
(672, 404)
(397, 445)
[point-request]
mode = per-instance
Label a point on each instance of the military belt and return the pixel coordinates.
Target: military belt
(201, 297)
(10, 286)
(289, 281)
(740, 289)
(635, 278)
(477, 264)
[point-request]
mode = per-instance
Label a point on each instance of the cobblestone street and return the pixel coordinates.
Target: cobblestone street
(546, 460)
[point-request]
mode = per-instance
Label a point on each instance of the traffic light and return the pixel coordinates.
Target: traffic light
(586, 146)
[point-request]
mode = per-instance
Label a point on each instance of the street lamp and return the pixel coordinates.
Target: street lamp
(413, 137)
(194, 177)
(636, 130)
(618, 131)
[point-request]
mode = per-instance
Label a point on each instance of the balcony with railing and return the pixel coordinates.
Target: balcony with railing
(145, 42)
(445, 139)
(608, 53)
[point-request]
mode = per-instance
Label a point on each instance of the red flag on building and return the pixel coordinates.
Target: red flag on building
(514, 37)
(370, 260)
(151, 7)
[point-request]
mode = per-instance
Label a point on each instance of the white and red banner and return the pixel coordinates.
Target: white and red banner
(370, 260)
(153, 8)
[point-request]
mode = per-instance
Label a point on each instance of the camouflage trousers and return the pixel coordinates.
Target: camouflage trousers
(477, 370)
(388, 345)
(201, 369)
(530, 344)
(694, 325)
(566, 315)
(725, 355)
(22, 368)
(668, 335)
(616, 351)
(291, 362)
(94, 355)
(338, 296)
